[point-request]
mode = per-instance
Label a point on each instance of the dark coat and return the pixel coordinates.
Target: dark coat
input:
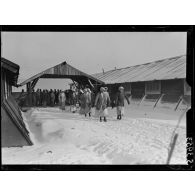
(120, 99)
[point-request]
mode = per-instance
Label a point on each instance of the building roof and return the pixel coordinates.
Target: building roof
(170, 68)
(12, 70)
(63, 70)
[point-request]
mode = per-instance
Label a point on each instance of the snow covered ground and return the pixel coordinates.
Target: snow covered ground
(141, 137)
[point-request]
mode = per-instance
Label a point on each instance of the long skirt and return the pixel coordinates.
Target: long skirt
(120, 110)
(85, 109)
(101, 112)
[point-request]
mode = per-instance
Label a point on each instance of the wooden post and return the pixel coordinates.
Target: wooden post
(142, 99)
(172, 146)
(178, 103)
(158, 100)
(90, 83)
(34, 83)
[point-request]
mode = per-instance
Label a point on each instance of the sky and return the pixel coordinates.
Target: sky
(88, 51)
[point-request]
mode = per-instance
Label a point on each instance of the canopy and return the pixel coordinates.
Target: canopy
(63, 70)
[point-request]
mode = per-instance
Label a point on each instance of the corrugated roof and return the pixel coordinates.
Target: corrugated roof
(170, 68)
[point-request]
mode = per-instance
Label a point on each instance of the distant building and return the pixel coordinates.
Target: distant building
(159, 84)
(13, 129)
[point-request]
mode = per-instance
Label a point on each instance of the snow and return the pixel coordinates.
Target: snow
(61, 137)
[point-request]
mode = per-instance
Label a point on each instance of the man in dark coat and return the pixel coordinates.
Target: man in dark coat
(120, 100)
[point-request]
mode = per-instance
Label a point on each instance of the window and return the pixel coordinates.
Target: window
(153, 87)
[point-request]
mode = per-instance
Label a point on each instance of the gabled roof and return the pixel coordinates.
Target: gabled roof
(170, 68)
(12, 69)
(63, 70)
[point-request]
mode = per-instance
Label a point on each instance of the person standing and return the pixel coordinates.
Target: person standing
(55, 93)
(57, 97)
(21, 98)
(101, 103)
(62, 100)
(52, 97)
(38, 97)
(41, 97)
(74, 101)
(120, 102)
(44, 95)
(107, 96)
(85, 101)
(33, 98)
(90, 100)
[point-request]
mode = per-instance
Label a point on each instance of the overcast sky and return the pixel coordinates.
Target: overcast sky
(89, 51)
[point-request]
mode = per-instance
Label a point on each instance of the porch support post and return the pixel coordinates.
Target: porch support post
(142, 100)
(158, 100)
(34, 83)
(90, 83)
(179, 101)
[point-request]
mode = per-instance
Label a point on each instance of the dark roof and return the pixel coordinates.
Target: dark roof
(12, 69)
(63, 70)
(170, 68)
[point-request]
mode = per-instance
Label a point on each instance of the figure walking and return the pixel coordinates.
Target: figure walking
(101, 103)
(85, 101)
(120, 102)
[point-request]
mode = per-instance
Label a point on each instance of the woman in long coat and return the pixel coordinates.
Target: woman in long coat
(101, 103)
(120, 100)
(85, 101)
(62, 100)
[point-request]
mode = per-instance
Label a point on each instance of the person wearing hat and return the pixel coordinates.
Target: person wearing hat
(85, 100)
(120, 102)
(101, 103)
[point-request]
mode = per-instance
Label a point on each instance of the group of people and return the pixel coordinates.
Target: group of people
(102, 102)
(46, 98)
(83, 99)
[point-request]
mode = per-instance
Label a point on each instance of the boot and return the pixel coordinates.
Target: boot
(89, 114)
(120, 117)
(85, 115)
(100, 119)
(105, 119)
(117, 117)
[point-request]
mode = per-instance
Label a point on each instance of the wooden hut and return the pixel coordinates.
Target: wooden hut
(160, 83)
(63, 71)
(13, 129)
